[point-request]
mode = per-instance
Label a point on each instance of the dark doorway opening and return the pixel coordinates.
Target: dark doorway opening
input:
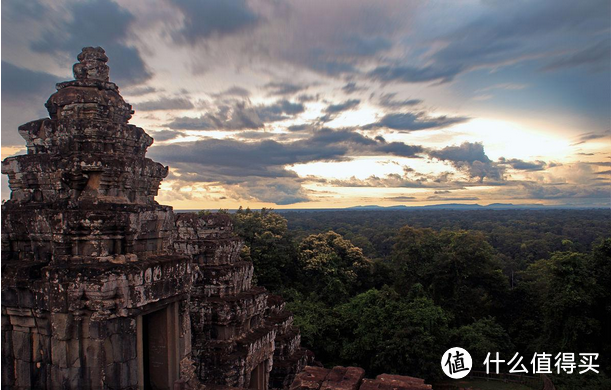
(257, 377)
(155, 345)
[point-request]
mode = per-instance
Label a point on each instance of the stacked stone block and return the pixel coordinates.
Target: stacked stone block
(85, 247)
(237, 327)
(90, 261)
(353, 378)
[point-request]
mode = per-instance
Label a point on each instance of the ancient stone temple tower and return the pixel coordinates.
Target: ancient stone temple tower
(102, 287)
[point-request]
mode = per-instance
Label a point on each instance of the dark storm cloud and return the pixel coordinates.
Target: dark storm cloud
(333, 68)
(238, 114)
(335, 109)
(524, 165)
(284, 88)
(19, 10)
(98, 23)
(226, 115)
(471, 159)
(509, 32)
(256, 168)
(388, 100)
(413, 74)
(363, 46)
(237, 159)
(399, 149)
(22, 83)
(351, 87)
(165, 103)
(280, 192)
(165, 135)
(281, 110)
(23, 94)
(414, 121)
(302, 127)
(347, 105)
(467, 151)
(261, 158)
(212, 18)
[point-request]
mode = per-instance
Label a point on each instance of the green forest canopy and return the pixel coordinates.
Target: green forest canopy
(390, 291)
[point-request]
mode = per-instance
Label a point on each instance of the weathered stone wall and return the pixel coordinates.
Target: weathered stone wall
(90, 258)
(75, 327)
(86, 250)
(236, 327)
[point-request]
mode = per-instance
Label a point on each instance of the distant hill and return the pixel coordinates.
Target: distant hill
(447, 206)
(458, 206)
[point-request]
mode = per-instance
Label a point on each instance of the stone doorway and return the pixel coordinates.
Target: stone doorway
(258, 377)
(158, 343)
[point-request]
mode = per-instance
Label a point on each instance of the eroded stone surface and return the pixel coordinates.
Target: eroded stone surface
(88, 254)
(353, 378)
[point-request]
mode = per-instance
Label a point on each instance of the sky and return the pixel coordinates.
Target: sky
(330, 104)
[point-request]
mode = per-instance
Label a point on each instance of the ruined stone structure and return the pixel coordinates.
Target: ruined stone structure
(353, 378)
(102, 287)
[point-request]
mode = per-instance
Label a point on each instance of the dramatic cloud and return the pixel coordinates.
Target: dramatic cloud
(503, 34)
(228, 114)
(414, 122)
(204, 19)
(281, 192)
(98, 23)
(239, 164)
(23, 94)
(268, 158)
(281, 110)
(22, 83)
(523, 165)
(388, 100)
(351, 87)
(402, 198)
(257, 81)
(412, 74)
(302, 127)
(237, 114)
(395, 180)
(22, 10)
(165, 135)
(335, 109)
(165, 103)
(471, 159)
(284, 88)
(347, 105)
(590, 136)
(452, 199)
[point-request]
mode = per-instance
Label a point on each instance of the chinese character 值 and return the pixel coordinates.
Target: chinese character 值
(458, 364)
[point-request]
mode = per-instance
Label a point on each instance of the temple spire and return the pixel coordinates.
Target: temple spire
(91, 65)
